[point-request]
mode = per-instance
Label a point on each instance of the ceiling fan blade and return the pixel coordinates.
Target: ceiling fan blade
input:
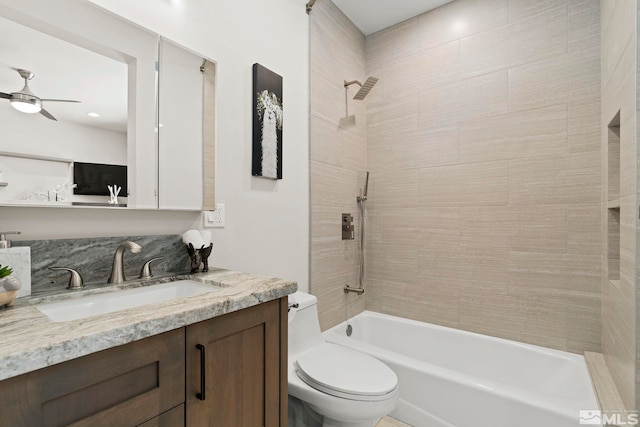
(58, 100)
(47, 114)
(5, 95)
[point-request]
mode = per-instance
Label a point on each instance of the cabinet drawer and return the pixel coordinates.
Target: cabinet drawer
(122, 386)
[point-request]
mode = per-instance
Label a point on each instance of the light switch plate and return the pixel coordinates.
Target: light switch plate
(213, 219)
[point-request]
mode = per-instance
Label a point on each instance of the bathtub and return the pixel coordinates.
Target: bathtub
(453, 378)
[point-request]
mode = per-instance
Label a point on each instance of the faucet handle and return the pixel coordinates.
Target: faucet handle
(75, 280)
(145, 273)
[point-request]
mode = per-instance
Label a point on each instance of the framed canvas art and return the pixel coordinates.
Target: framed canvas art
(267, 123)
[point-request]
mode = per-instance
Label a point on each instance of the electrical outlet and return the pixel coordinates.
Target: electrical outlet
(214, 218)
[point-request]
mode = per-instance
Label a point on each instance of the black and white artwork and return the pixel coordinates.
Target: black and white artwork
(267, 123)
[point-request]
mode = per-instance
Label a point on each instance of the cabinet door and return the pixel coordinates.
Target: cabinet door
(180, 104)
(235, 374)
(122, 386)
(171, 418)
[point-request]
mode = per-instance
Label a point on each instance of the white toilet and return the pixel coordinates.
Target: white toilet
(347, 388)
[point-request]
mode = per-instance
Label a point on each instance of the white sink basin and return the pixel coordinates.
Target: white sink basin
(93, 305)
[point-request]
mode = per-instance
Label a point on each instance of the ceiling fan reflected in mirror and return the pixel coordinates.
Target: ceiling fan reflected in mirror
(25, 101)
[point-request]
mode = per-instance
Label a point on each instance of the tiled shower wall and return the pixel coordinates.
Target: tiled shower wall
(338, 159)
(484, 149)
(619, 76)
(483, 142)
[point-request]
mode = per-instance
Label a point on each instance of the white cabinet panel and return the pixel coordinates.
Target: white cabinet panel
(180, 128)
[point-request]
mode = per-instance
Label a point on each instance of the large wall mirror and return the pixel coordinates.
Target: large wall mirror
(122, 132)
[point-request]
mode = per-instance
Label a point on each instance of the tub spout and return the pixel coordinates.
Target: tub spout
(117, 269)
(358, 291)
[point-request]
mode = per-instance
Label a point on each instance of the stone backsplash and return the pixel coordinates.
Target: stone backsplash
(93, 257)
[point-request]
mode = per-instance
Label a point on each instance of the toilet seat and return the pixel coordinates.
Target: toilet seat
(346, 373)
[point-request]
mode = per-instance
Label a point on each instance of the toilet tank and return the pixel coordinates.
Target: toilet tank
(304, 328)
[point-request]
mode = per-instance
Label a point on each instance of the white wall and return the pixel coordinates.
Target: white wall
(267, 222)
(30, 134)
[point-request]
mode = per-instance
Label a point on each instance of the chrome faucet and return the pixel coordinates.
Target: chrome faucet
(117, 269)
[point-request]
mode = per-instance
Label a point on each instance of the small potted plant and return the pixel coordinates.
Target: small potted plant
(9, 285)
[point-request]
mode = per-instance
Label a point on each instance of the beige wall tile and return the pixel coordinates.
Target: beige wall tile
(584, 25)
(573, 178)
(516, 135)
(459, 19)
(535, 320)
(392, 44)
(332, 267)
(544, 34)
(464, 185)
(375, 292)
(341, 146)
(618, 28)
(583, 318)
(407, 225)
(628, 216)
(615, 95)
(393, 262)
(427, 68)
(618, 343)
(572, 77)
(397, 188)
(583, 229)
(482, 264)
(413, 149)
(434, 301)
(584, 126)
(525, 10)
(332, 185)
(628, 143)
(389, 117)
(538, 228)
(480, 96)
(440, 260)
(373, 228)
(566, 272)
(326, 223)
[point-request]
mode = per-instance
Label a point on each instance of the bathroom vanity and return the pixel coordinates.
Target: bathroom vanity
(217, 356)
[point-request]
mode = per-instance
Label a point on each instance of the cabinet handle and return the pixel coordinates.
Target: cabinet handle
(203, 376)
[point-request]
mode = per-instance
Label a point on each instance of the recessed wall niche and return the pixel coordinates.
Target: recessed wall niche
(613, 200)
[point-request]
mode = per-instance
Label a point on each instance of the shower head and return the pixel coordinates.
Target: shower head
(310, 6)
(364, 88)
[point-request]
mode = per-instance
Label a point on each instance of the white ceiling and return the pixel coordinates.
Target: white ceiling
(374, 15)
(64, 71)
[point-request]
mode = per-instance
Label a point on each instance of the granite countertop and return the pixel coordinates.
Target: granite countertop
(30, 341)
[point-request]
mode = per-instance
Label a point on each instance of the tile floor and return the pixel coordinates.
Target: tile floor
(391, 422)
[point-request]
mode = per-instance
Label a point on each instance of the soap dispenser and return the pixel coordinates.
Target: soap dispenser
(4, 243)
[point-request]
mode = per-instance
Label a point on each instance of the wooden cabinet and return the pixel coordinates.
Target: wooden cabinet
(172, 418)
(122, 386)
(234, 372)
(243, 383)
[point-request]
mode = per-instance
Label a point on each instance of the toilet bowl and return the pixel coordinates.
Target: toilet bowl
(346, 387)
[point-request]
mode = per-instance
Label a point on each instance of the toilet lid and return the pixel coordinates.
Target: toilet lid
(343, 372)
